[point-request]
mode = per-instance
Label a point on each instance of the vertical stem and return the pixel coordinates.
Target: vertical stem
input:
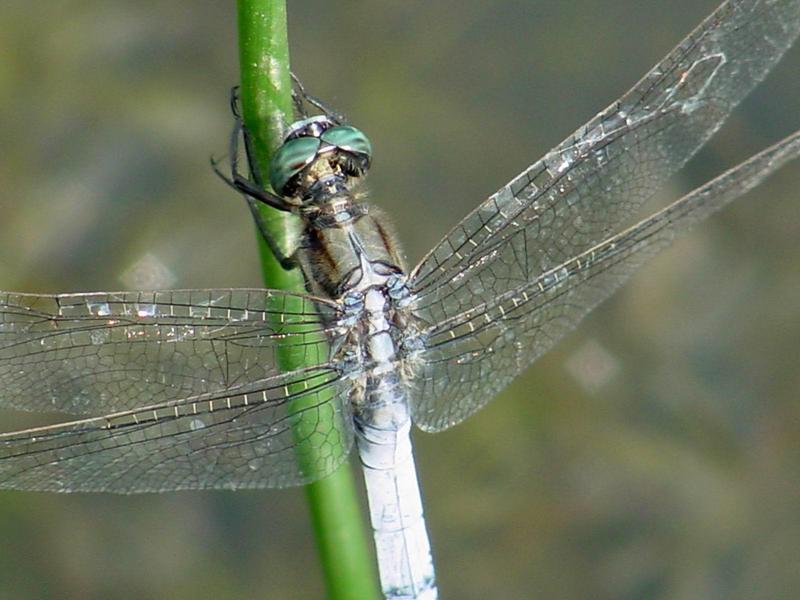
(266, 104)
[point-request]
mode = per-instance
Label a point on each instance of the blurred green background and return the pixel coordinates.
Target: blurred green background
(654, 454)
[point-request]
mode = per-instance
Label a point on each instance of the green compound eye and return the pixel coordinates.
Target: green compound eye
(290, 159)
(352, 153)
(349, 139)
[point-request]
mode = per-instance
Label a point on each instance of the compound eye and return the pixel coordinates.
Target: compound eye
(291, 158)
(310, 127)
(353, 144)
(349, 139)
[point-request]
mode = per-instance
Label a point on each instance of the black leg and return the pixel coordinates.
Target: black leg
(299, 95)
(297, 100)
(237, 114)
(251, 189)
(287, 263)
(241, 183)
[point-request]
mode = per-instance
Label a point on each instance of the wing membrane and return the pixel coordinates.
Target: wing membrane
(594, 181)
(286, 430)
(106, 352)
(474, 354)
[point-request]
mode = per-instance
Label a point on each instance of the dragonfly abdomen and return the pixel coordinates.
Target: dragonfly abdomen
(382, 426)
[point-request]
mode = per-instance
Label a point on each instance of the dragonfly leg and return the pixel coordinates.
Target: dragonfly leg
(300, 96)
(242, 183)
(255, 184)
(251, 189)
(286, 262)
(297, 98)
(234, 100)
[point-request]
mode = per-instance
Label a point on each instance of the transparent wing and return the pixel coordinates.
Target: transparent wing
(286, 430)
(592, 183)
(473, 354)
(107, 352)
(194, 381)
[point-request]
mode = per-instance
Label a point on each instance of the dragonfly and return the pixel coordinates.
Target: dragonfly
(256, 388)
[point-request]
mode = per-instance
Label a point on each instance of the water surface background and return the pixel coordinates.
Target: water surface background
(654, 454)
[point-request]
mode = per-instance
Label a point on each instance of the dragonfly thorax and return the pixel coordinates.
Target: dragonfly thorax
(319, 160)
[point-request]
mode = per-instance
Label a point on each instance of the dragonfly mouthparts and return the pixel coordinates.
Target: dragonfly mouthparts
(327, 186)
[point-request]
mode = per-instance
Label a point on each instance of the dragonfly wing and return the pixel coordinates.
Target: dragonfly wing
(107, 352)
(592, 183)
(475, 353)
(289, 429)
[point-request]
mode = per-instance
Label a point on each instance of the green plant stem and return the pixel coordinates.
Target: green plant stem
(266, 103)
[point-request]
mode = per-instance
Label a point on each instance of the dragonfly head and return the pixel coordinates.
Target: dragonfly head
(317, 149)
